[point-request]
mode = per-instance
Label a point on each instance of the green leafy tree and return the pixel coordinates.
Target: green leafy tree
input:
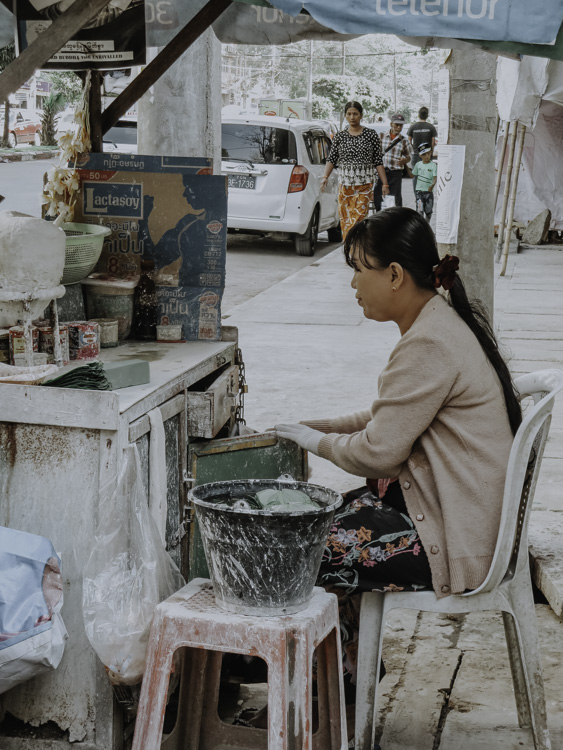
(67, 83)
(380, 71)
(51, 107)
(337, 89)
(366, 92)
(7, 55)
(321, 107)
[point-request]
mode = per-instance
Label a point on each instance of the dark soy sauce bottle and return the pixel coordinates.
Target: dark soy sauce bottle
(145, 305)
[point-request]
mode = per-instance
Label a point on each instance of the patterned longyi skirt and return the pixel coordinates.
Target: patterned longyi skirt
(353, 205)
(372, 546)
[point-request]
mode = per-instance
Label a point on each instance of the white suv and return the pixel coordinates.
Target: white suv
(274, 167)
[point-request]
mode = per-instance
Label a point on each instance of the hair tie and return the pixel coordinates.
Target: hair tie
(445, 271)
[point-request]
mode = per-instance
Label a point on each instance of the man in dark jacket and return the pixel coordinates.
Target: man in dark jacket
(421, 132)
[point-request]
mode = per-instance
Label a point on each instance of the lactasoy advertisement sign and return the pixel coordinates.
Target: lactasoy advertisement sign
(171, 211)
(106, 199)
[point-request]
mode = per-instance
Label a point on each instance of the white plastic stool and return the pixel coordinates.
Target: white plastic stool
(190, 618)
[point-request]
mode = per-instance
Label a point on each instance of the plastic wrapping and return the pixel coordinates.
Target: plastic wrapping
(32, 632)
(127, 574)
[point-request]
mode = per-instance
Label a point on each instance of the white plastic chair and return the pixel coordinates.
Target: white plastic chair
(507, 587)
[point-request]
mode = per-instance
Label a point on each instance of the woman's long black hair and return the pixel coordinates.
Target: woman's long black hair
(401, 235)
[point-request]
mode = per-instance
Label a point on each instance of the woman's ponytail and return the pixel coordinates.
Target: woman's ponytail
(475, 316)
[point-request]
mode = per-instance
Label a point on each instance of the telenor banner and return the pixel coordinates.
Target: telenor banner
(505, 20)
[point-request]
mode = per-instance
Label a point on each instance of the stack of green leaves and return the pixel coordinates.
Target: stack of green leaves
(90, 377)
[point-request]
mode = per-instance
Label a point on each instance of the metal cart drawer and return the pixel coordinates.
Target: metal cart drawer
(209, 410)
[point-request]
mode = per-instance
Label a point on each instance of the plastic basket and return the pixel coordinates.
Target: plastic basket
(84, 243)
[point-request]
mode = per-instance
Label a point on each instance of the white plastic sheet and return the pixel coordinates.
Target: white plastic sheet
(32, 631)
(451, 163)
(540, 181)
(127, 574)
(158, 504)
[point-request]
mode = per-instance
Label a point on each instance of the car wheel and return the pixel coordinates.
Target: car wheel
(305, 243)
(37, 139)
(335, 233)
(12, 140)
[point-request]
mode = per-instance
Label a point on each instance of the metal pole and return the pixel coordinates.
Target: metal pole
(511, 147)
(273, 72)
(310, 74)
(513, 190)
(501, 160)
(395, 81)
(343, 58)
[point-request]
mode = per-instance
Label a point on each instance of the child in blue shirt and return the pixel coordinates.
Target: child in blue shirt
(426, 174)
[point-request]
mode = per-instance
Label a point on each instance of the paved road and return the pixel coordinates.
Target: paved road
(253, 264)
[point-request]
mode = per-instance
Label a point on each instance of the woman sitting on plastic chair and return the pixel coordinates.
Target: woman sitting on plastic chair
(434, 444)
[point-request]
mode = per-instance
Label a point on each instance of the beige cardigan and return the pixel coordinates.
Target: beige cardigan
(440, 424)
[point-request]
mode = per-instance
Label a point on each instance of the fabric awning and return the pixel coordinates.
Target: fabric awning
(493, 20)
(506, 49)
(510, 35)
(263, 22)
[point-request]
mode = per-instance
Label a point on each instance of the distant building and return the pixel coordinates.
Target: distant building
(32, 94)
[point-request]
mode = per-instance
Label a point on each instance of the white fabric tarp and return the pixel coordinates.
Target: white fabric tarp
(522, 85)
(531, 92)
(540, 183)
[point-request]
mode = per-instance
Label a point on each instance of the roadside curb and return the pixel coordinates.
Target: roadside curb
(6, 155)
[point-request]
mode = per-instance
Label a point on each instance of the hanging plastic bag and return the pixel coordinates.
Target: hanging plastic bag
(127, 574)
(32, 631)
(388, 201)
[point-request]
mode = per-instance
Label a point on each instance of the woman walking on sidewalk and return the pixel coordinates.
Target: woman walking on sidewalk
(435, 442)
(356, 154)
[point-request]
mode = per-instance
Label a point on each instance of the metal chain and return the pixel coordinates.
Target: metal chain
(242, 388)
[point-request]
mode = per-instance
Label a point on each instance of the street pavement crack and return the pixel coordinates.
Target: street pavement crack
(446, 692)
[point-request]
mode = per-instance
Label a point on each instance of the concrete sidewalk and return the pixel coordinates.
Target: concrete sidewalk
(28, 154)
(310, 353)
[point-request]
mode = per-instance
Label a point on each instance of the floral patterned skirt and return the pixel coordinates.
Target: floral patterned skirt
(372, 546)
(353, 205)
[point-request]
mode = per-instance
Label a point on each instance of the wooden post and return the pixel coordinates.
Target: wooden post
(46, 45)
(173, 50)
(472, 123)
(513, 189)
(502, 221)
(501, 161)
(95, 105)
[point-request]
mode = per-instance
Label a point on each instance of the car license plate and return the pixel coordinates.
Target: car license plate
(242, 181)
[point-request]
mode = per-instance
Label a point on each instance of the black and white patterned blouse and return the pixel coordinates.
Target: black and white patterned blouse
(356, 156)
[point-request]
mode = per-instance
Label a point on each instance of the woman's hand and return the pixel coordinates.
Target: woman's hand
(385, 190)
(324, 180)
(304, 436)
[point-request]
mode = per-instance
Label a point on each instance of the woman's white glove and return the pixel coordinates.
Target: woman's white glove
(304, 436)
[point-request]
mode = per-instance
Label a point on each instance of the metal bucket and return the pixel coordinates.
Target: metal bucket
(261, 562)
